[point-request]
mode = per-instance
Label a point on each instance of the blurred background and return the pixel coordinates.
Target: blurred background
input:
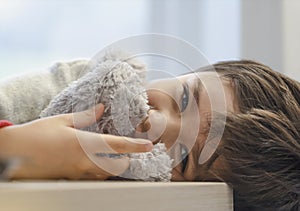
(36, 33)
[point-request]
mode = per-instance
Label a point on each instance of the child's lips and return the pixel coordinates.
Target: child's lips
(176, 175)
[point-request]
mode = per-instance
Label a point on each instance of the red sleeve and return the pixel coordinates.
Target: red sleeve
(5, 123)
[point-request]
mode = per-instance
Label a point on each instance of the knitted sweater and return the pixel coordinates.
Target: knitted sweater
(22, 98)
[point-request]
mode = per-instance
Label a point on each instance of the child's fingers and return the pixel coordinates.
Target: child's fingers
(85, 118)
(104, 143)
(103, 167)
(103, 151)
(121, 144)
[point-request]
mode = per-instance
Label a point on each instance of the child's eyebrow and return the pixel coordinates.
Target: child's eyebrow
(196, 93)
(197, 90)
(211, 160)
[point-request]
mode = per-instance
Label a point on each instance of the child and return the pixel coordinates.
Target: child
(257, 152)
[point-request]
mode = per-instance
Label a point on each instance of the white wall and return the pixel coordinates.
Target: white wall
(35, 33)
(291, 38)
(213, 26)
(271, 32)
(261, 32)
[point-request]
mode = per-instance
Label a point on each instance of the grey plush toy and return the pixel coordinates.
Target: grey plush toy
(116, 81)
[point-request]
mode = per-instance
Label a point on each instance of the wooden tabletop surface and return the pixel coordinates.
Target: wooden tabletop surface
(112, 195)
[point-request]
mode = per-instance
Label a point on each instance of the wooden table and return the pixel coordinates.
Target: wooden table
(112, 195)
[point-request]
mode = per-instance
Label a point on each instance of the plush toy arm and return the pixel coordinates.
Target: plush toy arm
(22, 98)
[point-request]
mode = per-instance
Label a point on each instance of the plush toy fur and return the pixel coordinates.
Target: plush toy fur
(116, 81)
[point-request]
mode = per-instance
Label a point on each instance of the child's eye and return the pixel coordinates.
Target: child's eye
(185, 98)
(184, 157)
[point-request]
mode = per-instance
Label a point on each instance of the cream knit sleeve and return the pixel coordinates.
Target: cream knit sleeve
(22, 98)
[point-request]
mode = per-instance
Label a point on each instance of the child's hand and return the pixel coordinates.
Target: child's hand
(53, 148)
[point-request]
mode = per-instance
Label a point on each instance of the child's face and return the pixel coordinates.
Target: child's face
(179, 114)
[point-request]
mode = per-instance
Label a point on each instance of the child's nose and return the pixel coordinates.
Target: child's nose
(153, 127)
(157, 124)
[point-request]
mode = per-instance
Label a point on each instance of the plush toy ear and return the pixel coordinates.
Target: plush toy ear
(121, 56)
(136, 64)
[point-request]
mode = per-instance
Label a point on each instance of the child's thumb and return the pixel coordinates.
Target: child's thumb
(86, 118)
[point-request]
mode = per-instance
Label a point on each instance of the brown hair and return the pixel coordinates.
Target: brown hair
(261, 143)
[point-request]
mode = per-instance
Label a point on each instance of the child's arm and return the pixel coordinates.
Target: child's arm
(24, 97)
(51, 148)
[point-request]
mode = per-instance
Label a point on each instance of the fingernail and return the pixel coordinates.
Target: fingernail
(139, 140)
(149, 147)
(100, 105)
(147, 143)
